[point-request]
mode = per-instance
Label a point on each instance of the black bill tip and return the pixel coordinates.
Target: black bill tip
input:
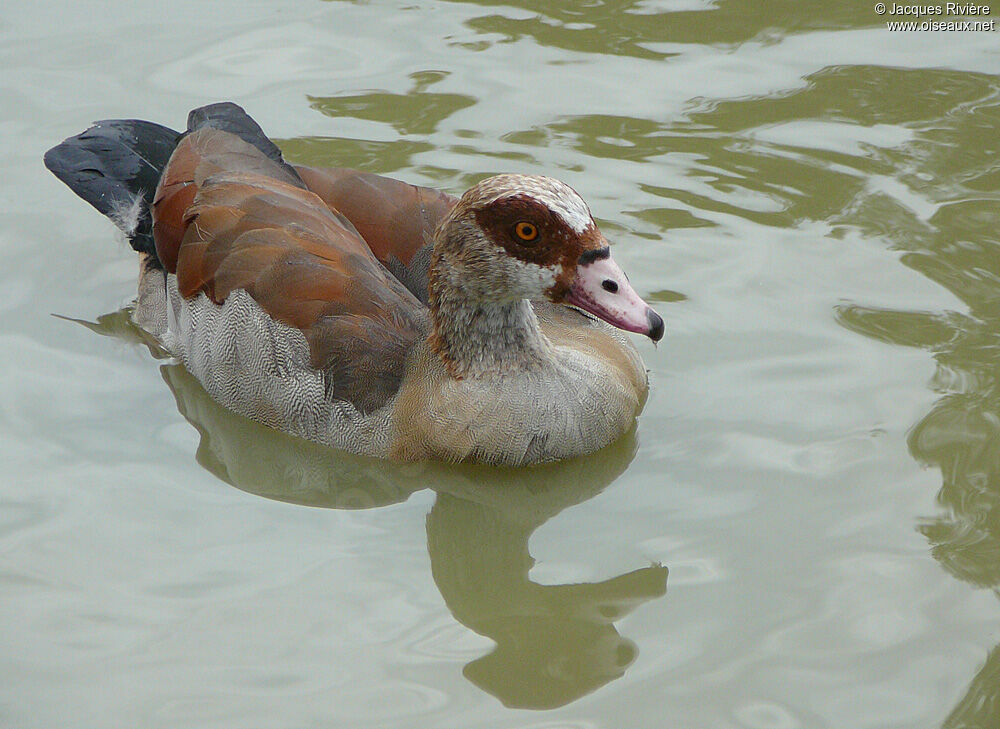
(655, 325)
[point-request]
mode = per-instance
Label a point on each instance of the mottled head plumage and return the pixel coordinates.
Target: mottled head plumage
(559, 197)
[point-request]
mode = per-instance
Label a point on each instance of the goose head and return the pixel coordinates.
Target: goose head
(513, 237)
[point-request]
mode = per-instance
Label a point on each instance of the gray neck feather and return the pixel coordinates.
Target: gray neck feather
(476, 338)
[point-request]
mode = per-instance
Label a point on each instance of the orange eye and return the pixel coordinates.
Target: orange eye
(526, 231)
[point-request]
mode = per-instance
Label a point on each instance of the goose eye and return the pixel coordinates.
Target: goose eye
(526, 231)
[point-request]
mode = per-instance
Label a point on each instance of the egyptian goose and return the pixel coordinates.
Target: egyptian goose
(365, 313)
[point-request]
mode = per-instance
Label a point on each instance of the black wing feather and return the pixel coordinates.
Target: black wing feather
(113, 163)
(229, 117)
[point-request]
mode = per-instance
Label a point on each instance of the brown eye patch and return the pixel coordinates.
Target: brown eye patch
(510, 222)
(526, 228)
(507, 222)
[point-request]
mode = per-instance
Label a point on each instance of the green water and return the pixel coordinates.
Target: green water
(804, 530)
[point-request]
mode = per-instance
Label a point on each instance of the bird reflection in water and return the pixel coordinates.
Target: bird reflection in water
(554, 643)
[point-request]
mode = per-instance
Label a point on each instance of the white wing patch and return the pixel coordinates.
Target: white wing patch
(126, 215)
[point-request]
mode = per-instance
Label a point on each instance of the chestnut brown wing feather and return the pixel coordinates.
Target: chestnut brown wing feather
(226, 217)
(397, 220)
